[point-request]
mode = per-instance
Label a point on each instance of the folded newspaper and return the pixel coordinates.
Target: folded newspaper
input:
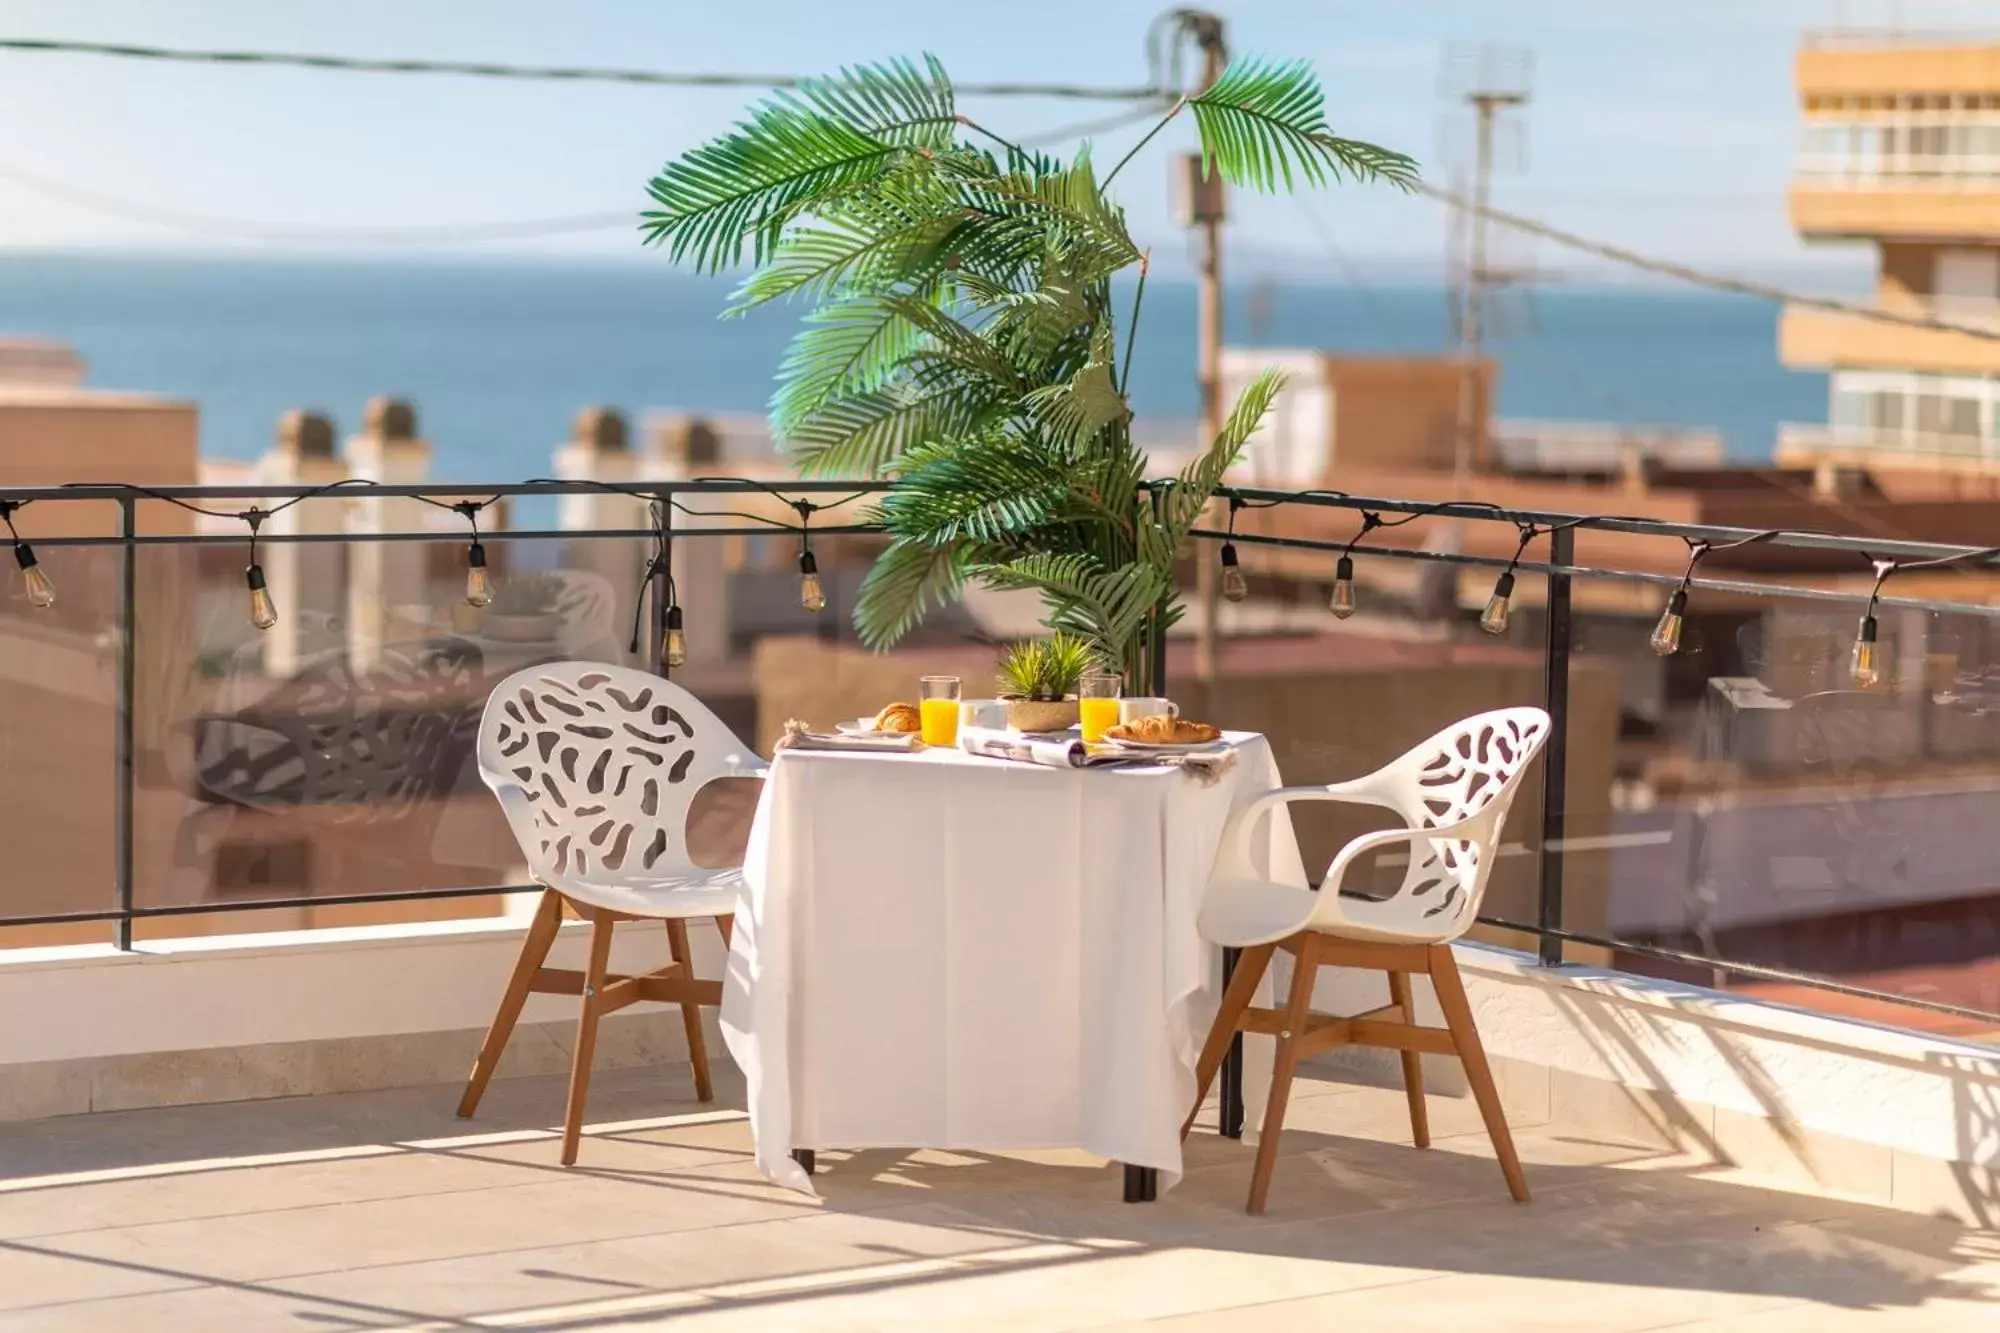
(1060, 751)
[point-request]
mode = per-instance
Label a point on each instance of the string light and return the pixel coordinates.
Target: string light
(1666, 638)
(811, 596)
(673, 648)
(1865, 666)
(41, 592)
(263, 611)
(1494, 618)
(1235, 587)
(1342, 602)
(478, 586)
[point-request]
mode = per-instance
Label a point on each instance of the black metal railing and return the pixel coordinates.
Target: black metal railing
(227, 736)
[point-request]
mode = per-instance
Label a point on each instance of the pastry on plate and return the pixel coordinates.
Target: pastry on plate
(899, 718)
(1160, 729)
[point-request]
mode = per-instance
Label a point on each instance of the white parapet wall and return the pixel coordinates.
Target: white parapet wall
(1883, 1113)
(224, 1018)
(1876, 1111)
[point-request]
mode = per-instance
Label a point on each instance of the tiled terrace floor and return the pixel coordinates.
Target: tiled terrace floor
(380, 1210)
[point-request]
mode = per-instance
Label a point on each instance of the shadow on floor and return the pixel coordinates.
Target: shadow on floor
(1347, 1195)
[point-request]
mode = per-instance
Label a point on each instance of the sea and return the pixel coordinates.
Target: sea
(498, 357)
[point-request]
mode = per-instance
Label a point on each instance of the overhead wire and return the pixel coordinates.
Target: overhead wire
(534, 73)
(441, 233)
(1697, 277)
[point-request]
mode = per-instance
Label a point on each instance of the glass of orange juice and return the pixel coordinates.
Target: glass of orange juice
(1097, 705)
(938, 706)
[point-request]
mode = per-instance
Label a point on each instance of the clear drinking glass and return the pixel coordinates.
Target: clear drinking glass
(1097, 704)
(937, 704)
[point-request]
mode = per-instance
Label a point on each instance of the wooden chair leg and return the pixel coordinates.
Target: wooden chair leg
(586, 1035)
(677, 943)
(534, 951)
(727, 925)
(1236, 997)
(1465, 1036)
(1297, 1010)
(1413, 1064)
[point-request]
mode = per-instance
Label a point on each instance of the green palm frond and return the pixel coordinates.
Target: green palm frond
(950, 347)
(849, 347)
(895, 102)
(1263, 121)
(864, 435)
(994, 492)
(1075, 220)
(844, 254)
(1183, 504)
(1075, 411)
(823, 141)
(907, 580)
(1107, 606)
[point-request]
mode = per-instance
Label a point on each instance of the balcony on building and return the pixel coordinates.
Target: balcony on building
(1900, 137)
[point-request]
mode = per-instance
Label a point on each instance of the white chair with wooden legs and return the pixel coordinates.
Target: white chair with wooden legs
(1452, 792)
(596, 767)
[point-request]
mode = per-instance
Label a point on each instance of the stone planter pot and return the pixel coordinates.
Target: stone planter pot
(1041, 714)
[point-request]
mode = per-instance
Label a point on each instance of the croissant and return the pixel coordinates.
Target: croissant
(899, 717)
(1161, 729)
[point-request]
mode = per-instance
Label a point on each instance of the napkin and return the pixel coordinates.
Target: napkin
(797, 737)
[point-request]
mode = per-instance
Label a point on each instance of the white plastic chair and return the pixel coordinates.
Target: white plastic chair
(596, 768)
(1452, 793)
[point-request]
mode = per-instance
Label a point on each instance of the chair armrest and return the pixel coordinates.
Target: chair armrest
(1358, 792)
(1388, 837)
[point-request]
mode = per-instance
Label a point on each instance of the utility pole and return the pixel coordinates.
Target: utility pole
(1203, 202)
(1489, 80)
(1471, 442)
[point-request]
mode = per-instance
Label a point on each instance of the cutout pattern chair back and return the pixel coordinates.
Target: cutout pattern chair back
(1469, 771)
(598, 765)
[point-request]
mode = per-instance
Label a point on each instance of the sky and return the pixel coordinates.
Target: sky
(1666, 127)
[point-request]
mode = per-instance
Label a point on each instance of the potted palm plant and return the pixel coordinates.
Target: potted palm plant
(964, 338)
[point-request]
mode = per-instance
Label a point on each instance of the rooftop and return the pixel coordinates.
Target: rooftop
(380, 1210)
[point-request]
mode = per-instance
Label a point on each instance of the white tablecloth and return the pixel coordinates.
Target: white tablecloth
(938, 950)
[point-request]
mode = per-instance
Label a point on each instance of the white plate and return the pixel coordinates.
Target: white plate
(1166, 747)
(862, 726)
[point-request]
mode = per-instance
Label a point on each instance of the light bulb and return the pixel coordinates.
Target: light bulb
(263, 611)
(41, 592)
(1342, 601)
(1666, 638)
(1234, 586)
(673, 648)
(478, 587)
(1494, 619)
(1867, 669)
(811, 596)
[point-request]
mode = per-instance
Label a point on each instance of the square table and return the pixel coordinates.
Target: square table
(941, 950)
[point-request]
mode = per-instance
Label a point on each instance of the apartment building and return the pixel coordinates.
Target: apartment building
(1900, 148)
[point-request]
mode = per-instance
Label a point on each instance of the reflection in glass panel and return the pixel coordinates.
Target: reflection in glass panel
(1773, 813)
(58, 728)
(332, 755)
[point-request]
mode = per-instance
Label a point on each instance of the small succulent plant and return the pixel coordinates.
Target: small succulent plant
(1046, 669)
